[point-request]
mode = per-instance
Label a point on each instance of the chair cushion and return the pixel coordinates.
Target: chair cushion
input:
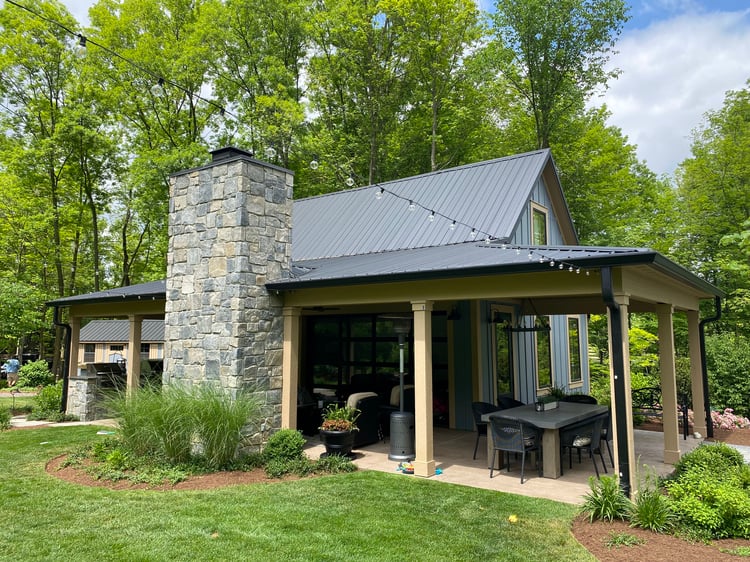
(356, 397)
(579, 441)
(396, 394)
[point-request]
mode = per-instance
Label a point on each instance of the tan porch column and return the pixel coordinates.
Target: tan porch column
(75, 342)
(668, 383)
(424, 463)
(290, 367)
(135, 324)
(696, 372)
(622, 302)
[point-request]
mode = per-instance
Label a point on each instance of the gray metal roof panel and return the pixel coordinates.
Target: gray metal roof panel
(153, 290)
(117, 331)
(489, 196)
(464, 259)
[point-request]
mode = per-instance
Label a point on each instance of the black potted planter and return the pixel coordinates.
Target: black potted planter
(337, 442)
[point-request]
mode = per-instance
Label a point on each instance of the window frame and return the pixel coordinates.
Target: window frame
(579, 356)
(539, 210)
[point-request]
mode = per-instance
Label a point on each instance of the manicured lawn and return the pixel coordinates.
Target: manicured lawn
(6, 401)
(359, 516)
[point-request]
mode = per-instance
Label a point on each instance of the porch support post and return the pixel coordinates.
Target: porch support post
(290, 367)
(696, 373)
(668, 383)
(424, 462)
(133, 364)
(622, 401)
(75, 340)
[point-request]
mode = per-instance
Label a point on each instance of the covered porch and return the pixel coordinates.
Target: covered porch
(558, 281)
(453, 456)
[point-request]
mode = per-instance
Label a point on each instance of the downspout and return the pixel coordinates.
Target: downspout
(704, 369)
(618, 370)
(66, 358)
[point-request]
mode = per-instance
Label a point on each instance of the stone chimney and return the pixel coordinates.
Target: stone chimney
(229, 231)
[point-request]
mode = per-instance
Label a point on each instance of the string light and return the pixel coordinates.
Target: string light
(379, 193)
(350, 181)
(270, 152)
(314, 163)
(473, 233)
(412, 206)
(453, 225)
(431, 217)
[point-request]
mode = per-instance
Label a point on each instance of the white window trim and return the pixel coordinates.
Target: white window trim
(540, 208)
(574, 384)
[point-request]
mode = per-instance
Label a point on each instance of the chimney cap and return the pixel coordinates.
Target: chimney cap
(229, 153)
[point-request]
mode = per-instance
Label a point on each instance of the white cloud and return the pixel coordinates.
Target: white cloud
(672, 73)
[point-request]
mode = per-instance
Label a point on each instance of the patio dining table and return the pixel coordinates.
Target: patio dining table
(551, 421)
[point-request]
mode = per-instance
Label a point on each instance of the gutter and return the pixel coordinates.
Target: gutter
(66, 358)
(704, 369)
(618, 371)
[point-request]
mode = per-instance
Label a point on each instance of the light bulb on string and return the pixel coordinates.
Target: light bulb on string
(488, 240)
(453, 225)
(431, 217)
(350, 181)
(473, 233)
(379, 193)
(158, 88)
(412, 206)
(314, 162)
(270, 152)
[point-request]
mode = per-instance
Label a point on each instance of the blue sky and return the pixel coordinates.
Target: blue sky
(678, 59)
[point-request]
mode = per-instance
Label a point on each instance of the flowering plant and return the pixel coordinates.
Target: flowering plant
(728, 420)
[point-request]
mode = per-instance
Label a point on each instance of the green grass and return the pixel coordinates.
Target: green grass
(358, 516)
(20, 401)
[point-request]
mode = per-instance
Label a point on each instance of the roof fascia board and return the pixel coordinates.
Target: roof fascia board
(559, 203)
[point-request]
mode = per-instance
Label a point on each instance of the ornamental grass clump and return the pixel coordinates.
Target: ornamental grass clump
(606, 500)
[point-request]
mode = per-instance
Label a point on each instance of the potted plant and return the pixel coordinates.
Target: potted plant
(337, 429)
(545, 402)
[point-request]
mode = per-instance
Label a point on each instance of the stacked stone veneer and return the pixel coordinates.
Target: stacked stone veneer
(229, 231)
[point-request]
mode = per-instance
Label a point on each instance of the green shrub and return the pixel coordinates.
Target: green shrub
(334, 464)
(47, 403)
(35, 374)
(276, 468)
(718, 458)
(711, 505)
(4, 419)
(605, 500)
(285, 444)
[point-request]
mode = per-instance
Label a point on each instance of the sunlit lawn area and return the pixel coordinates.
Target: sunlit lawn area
(358, 516)
(7, 401)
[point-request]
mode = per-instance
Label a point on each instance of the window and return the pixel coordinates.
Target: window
(538, 226)
(543, 353)
(574, 349)
(145, 350)
(117, 347)
(89, 353)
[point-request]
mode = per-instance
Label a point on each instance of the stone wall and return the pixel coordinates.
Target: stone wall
(84, 398)
(229, 230)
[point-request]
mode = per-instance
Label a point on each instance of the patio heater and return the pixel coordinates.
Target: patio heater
(402, 423)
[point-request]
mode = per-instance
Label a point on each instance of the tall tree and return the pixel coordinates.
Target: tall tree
(436, 37)
(714, 191)
(261, 48)
(160, 64)
(554, 52)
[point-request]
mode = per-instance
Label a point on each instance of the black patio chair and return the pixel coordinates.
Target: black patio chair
(579, 399)
(506, 402)
(479, 409)
(582, 436)
(514, 436)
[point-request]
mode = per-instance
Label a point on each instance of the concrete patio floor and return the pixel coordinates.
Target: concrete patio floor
(453, 451)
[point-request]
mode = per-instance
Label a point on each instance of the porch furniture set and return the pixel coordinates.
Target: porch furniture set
(647, 402)
(572, 426)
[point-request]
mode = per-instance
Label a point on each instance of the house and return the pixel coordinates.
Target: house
(106, 341)
(482, 260)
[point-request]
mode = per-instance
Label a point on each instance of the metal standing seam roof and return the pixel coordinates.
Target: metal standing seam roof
(473, 258)
(489, 196)
(153, 290)
(117, 331)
